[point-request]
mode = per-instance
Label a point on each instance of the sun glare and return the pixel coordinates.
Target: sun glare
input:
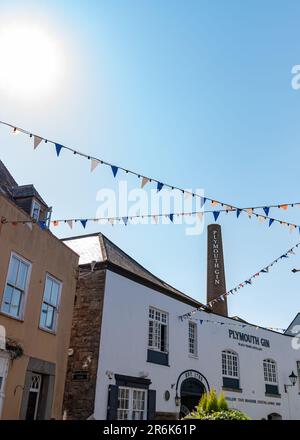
(31, 63)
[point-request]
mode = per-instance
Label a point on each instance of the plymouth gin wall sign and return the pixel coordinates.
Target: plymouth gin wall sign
(248, 340)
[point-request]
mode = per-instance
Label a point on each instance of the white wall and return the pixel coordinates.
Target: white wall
(123, 350)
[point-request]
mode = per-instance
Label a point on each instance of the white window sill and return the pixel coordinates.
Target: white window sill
(47, 330)
(16, 318)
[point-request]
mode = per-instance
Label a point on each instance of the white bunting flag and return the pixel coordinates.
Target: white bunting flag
(94, 164)
(249, 211)
(155, 218)
(200, 216)
(70, 223)
(36, 141)
(30, 226)
(261, 219)
(292, 228)
(145, 180)
(187, 194)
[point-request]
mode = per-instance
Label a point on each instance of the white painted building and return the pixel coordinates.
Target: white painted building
(152, 364)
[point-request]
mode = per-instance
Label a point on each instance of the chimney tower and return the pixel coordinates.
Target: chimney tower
(216, 284)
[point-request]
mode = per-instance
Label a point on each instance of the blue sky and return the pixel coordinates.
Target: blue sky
(197, 94)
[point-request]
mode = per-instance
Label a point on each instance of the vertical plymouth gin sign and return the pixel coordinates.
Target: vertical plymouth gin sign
(216, 284)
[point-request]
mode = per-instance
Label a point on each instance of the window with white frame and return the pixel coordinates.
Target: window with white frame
(158, 329)
(16, 286)
(131, 404)
(35, 210)
(230, 364)
(270, 371)
(192, 338)
(50, 304)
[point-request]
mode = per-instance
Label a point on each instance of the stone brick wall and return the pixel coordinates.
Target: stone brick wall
(85, 339)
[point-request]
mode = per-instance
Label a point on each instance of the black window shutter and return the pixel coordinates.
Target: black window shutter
(151, 404)
(112, 404)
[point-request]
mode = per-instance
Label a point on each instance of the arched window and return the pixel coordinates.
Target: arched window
(270, 376)
(230, 369)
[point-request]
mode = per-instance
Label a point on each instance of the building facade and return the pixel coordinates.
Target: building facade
(133, 356)
(37, 289)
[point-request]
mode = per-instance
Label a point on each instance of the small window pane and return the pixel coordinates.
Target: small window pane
(43, 315)
(50, 318)
(54, 293)
(7, 299)
(13, 271)
(15, 303)
(48, 288)
(22, 275)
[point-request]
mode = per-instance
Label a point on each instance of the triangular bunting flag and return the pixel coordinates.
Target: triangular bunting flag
(42, 224)
(271, 221)
(285, 207)
(171, 217)
(214, 203)
(58, 149)
(261, 219)
(30, 225)
(83, 222)
(94, 164)
(216, 215)
(249, 211)
(238, 211)
(159, 186)
(125, 220)
(202, 202)
(145, 180)
(266, 210)
(70, 223)
(114, 170)
(200, 216)
(155, 218)
(36, 141)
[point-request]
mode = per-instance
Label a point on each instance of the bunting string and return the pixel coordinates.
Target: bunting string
(236, 324)
(171, 216)
(246, 282)
(95, 162)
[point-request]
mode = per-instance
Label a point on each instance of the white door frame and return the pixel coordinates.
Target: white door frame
(4, 364)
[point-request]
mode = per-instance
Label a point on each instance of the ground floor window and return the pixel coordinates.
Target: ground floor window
(131, 404)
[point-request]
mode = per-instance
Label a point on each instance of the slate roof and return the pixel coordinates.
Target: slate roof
(27, 191)
(98, 248)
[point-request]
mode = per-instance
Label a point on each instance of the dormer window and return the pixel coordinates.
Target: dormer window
(35, 210)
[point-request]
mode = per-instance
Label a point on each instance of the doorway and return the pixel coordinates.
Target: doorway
(191, 392)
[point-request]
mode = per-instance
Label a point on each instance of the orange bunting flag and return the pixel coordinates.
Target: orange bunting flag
(214, 203)
(55, 223)
(285, 207)
(249, 211)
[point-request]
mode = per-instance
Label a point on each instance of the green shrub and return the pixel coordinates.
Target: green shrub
(213, 407)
